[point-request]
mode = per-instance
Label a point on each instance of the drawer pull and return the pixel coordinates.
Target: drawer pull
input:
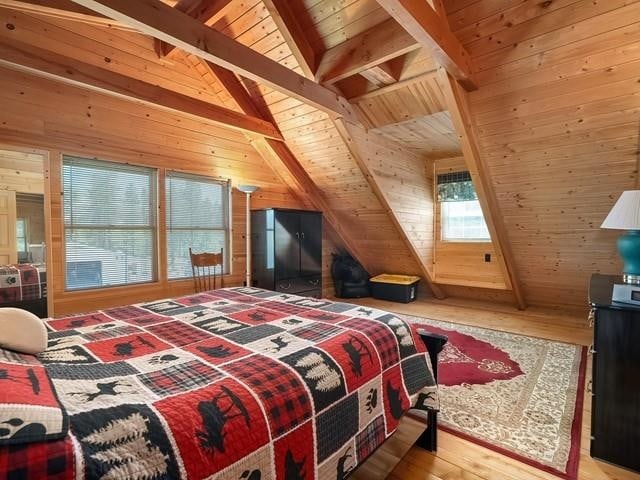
(590, 387)
(286, 286)
(314, 282)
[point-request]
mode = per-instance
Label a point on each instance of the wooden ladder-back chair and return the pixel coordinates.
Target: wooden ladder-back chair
(206, 267)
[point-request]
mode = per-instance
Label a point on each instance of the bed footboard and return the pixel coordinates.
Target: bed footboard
(435, 343)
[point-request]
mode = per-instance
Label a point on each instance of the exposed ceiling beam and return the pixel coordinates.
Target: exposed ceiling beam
(64, 10)
(345, 132)
(293, 35)
(432, 31)
(458, 105)
(282, 160)
(204, 11)
(154, 18)
(51, 65)
(377, 45)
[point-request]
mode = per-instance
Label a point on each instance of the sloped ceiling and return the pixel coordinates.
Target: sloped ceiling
(558, 117)
(557, 112)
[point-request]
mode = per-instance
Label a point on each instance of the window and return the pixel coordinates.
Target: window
(21, 234)
(460, 211)
(109, 223)
(197, 218)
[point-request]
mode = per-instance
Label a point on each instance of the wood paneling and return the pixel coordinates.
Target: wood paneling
(21, 172)
(432, 136)
(462, 263)
(415, 100)
(8, 250)
(79, 122)
(320, 149)
(403, 185)
(557, 114)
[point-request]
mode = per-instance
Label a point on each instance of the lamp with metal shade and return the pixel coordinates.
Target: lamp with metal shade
(248, 190)
(625, 215)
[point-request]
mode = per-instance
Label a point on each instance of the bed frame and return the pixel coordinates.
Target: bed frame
(434, 343)
(38, 307)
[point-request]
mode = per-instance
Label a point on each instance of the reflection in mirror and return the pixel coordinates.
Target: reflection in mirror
(22, 231)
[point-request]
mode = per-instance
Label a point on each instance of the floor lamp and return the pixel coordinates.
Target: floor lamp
(248, 190)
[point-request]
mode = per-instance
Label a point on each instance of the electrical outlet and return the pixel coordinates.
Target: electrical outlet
(487, 257)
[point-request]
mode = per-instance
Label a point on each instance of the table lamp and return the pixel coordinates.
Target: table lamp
(248, 190)
(625, 215)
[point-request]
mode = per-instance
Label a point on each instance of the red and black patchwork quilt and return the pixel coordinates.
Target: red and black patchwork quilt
(233, 384)
(22, 282)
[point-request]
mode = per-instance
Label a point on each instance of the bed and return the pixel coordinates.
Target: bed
(237, 383)
(24, 286)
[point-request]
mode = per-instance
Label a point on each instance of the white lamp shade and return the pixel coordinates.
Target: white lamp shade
(625, 214)
(247, 188)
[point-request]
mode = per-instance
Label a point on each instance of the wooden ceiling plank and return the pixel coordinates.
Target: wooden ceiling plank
(283, 162)
(204, 11)
(154, 18)
(51, 65)
(377, 45)
(294, 35)
(458, 106)
(344, 130)
(385, 73)
(432, 31)
(65, 10)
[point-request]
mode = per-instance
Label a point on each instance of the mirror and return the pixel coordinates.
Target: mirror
(22, 231)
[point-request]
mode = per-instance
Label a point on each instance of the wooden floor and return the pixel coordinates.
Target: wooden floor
(458, 459)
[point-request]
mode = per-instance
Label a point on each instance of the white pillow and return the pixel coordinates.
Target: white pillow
(22, 331)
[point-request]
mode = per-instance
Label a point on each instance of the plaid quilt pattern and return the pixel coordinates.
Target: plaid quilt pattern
(178, 333)
(52, 460)
(370, 438)
(171, 389)
(286, 401)
(180, 378)
(384, 340)
(22, 282)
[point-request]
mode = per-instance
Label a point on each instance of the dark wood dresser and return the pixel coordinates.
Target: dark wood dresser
(287, 251)
(615, 417)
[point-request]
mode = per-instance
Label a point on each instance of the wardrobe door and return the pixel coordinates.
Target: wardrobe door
(287, 244)
(310, 244)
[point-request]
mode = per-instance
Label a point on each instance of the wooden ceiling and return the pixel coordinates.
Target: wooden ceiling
(532, 132)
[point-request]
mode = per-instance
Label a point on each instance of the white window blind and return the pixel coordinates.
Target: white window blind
(109, 223)
(460, 210)
(197, 218)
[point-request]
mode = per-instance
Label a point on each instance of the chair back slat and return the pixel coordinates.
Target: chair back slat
(206, 267)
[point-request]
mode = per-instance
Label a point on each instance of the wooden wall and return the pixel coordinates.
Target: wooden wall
(558, 111)
(462, 263)
(406, 187)
(31, 208)
(63, 119)
(314, 139)
(21, 172)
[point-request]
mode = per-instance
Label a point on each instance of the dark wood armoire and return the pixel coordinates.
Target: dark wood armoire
(287, 251)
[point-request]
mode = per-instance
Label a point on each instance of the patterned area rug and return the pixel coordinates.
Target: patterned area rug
(520, 396)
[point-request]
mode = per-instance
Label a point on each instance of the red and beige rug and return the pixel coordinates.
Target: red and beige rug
(520, 396)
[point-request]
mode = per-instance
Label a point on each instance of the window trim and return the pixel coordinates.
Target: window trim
(65, 159)
(454, 177)
(228, 218)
